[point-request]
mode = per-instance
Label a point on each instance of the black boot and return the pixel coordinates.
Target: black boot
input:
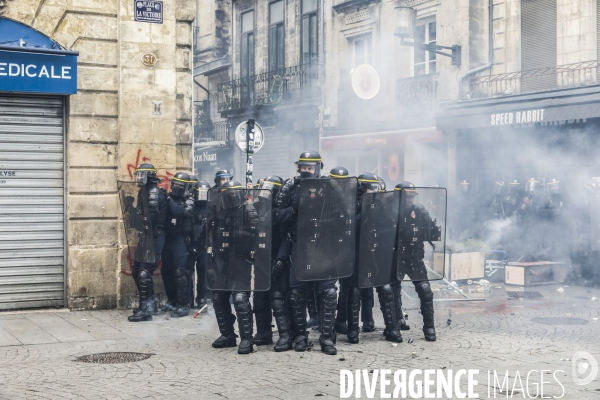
(397, 289)
(366, 309)
(241, 302)
(388, 309)
(311, 304)
(328, 305)
(145, 311)
(182, 293)
(282, 319)
(353, 314)
(298, 302)
(341, 317)
(225, 320)
(426, 296)
(262, 313)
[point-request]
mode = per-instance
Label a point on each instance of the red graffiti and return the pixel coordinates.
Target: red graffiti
(165, 178)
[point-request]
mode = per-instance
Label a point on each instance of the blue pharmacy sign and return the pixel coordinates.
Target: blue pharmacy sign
(30, 62)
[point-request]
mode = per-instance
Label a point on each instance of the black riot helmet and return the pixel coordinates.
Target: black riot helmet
(201, 191)
(381, 184)
(410, 192)
(309, 165)
(339, 172)
(259, 182)
(145, 173)
(499, 188)
(368, 183)
(231, 195)
(180, 184)
(532, 186)
(222, 176)
(272, 183)
(465, 187)
(553, 187)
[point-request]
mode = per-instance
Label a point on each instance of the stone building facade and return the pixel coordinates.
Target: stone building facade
(125, 112)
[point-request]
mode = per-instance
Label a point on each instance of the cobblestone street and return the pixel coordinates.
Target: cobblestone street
(38, 352)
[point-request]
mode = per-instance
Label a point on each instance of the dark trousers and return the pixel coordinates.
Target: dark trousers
(175, 262)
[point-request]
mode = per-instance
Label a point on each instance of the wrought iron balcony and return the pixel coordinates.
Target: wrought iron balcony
(209, 134)
(269, 88)
(416, 96)
(533, 80)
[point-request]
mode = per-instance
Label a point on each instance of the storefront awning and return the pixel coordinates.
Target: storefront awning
(544, 108)
(381, 139)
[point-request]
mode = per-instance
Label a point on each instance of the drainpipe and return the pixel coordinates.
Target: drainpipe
(491, 53)
(322, 67)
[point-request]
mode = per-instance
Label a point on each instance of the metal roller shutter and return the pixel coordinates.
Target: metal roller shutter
(32, 221)
(273, 158)
(538, 43)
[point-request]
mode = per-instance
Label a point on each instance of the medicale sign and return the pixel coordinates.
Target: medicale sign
(32, 72)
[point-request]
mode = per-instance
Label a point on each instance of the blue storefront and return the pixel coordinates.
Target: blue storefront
(36, 78)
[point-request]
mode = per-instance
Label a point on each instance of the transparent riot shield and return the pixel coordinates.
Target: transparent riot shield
(137, 222)
(377, 239)
(326, 238)
(238, 239)
(422, 234)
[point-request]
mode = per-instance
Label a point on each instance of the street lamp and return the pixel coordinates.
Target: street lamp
(405, 21)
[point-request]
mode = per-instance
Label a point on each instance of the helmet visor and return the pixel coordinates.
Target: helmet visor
(308, 170)
(141, 177)
(200, 194)
(178, 189)
(231, 198)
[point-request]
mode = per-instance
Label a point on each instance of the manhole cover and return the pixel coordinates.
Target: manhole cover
(524, 295)
(560, 321)
(113, 358)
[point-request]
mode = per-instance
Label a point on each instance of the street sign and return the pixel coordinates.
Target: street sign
(149, 11)
(240, 137)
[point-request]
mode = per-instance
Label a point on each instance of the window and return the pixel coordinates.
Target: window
(276, 36)
(362, 47)
(424, 61)
(308, 52)
(247, 47)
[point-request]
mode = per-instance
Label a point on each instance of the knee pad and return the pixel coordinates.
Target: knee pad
(424, 290)
(330, 293)
(386, 293)
(277, 296)
(240, 297)
(144, 274)
(354, 292)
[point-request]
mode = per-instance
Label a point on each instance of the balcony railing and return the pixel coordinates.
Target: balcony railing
(533, 80)
(416, 96)
(269, 88)
(207, 133)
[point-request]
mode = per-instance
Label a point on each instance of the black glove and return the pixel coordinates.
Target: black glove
(277, 268)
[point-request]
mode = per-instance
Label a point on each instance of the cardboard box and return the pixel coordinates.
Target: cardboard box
(534, 273)
(460, 266)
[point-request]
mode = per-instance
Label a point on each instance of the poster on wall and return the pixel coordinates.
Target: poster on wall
(392, 165)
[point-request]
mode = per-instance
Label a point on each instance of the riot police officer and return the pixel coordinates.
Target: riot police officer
(199, 239)
(341, 318)
(496, 208)
(175, 254)
(309, 165)
(415, 228)
(222, 176)
(368, 183)
(273, 302)
(223, 226)
(145, 175)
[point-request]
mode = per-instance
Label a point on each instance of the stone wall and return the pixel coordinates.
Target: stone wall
(112, 125)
